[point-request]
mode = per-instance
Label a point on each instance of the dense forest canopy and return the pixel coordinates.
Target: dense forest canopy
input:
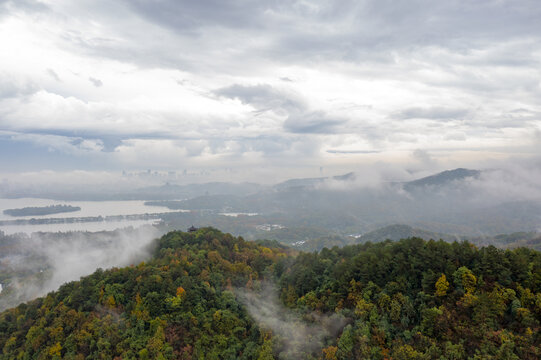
(209, 295)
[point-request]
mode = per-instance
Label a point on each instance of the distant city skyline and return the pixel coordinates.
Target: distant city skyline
(266, 90)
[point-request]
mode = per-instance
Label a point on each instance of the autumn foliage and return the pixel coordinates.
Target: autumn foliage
(411, 299)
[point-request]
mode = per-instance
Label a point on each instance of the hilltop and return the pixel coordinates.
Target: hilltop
(442, 178)
(207, 294)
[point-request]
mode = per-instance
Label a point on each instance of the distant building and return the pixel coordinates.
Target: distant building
(192, 229)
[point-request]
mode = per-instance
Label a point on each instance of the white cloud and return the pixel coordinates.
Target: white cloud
(228, 85)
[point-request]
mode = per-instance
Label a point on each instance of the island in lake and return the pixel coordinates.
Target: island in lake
(41, 210)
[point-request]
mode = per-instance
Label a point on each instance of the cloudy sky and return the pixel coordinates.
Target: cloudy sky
(262, 90)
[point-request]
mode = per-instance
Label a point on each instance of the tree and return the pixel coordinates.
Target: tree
(465, 280)
(442, 285)
(266, 351)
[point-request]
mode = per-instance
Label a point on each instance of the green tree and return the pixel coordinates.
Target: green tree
(465, 280)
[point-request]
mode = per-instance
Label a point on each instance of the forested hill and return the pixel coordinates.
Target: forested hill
(208, 295)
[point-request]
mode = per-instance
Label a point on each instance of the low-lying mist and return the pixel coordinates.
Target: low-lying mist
(468, 202)
(296, 335)
(503, 198)
(31, 266)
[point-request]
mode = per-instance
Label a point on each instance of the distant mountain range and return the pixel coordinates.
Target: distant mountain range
(439, 179)
(401, 231)
(450, 202)
(310, 182)
(398, 232)
(170, 191)
(461, 201)
(442, 178)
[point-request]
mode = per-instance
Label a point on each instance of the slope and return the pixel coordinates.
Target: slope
(209, 295)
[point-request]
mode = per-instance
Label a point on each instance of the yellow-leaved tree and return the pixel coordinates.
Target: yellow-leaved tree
(442, 285)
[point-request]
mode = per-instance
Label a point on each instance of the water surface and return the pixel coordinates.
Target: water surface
(88, 209)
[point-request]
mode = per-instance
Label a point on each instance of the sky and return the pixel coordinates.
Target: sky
(265, 90)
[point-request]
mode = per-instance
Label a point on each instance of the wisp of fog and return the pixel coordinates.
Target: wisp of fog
(40, 263)
(297, 334)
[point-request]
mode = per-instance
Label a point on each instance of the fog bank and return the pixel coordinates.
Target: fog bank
(32, 266)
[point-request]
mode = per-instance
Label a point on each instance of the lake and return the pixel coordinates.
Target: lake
(88, 208)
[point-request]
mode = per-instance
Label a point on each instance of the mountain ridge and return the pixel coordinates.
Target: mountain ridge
(204, 294)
